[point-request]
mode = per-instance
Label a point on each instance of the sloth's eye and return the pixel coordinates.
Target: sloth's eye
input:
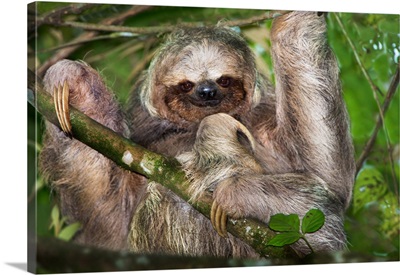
(186, 86)
(224, 81)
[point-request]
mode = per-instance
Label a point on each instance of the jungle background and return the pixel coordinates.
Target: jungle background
(367, 48)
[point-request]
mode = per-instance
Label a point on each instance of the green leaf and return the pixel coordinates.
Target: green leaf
(55, 214)
(381, 64)
(390, 209)
(282, 222)
(69, 231)
(312, 221)
(55, 220)
(387, 25)
(284, 238)
(370, 186)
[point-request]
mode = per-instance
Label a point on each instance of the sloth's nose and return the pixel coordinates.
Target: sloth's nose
(207, 91)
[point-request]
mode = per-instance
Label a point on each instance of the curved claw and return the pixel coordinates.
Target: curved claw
(61, 99)
(218, 219)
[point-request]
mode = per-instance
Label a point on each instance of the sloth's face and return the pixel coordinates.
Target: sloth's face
(204, 78)
(202, 82)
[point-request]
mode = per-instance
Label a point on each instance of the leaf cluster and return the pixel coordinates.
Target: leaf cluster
(62, 230)
(289, 229)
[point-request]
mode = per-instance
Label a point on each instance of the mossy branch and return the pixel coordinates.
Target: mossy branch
(155, 167)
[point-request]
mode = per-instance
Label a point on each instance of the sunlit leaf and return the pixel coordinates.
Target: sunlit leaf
(69, 231)
(389, 206)
(369, 187)
(55, 215)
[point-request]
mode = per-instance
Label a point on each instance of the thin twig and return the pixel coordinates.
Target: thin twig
(375, 89)
(96, 38)
(118, 19)
(124, 29)
(255, 19)
(119, 49)
(140, 66)
(389, 96)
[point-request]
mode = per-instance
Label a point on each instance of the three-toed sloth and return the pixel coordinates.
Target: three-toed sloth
(257, 150)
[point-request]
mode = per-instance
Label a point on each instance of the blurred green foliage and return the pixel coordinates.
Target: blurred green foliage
(373, 219)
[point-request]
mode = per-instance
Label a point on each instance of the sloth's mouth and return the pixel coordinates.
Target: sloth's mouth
(205, 103)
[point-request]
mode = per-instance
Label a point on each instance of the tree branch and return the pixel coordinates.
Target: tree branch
(155, 167)
(163, 29)
(53, 16)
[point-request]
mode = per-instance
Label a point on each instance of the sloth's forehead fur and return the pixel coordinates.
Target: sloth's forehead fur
(203, 61)
(203, 53)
